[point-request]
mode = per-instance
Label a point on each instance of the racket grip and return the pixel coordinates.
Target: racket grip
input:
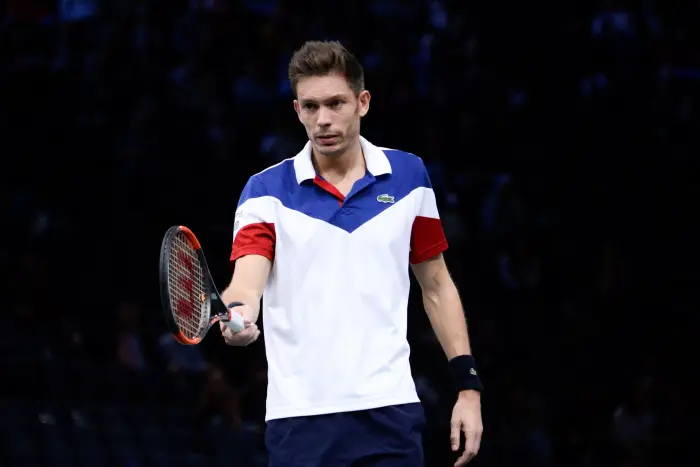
(235, 321)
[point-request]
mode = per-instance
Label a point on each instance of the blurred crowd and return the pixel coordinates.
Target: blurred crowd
(561, 141)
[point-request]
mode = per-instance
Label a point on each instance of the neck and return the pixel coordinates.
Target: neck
(341, 164)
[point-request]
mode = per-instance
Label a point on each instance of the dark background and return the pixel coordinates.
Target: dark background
(562, 140)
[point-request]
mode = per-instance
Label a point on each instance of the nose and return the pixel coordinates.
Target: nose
(324, 117)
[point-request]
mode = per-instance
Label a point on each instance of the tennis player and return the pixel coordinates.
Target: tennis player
(325, 238)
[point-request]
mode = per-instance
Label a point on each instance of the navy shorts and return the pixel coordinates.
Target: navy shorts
(383, 437)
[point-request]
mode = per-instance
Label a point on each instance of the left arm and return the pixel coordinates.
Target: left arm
(444, 310)
(443, 306)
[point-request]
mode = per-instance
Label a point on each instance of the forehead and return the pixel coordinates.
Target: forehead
(319, 88)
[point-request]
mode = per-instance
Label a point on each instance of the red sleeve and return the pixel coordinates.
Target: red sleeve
(254, 225)
(427, 239)
(254, 239)
(427, 236)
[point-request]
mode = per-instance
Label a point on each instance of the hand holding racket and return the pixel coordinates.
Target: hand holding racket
(240, 339)
(191, 302)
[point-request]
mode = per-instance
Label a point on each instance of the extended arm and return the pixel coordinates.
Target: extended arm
(248, 283)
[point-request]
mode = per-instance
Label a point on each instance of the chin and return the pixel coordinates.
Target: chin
(331, 151)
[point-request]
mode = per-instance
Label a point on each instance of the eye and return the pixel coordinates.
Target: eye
(310, 106)
(336, 104)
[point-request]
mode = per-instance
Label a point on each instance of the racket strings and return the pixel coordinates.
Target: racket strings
(186, 286)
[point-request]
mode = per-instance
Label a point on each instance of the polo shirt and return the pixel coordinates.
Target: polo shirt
(335, 304)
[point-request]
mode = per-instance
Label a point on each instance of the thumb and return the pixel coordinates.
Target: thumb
(225, 330)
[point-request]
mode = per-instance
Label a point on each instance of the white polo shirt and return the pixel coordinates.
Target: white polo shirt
(335, 305)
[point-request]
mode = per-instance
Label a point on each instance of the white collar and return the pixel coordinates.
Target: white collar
(376, 160)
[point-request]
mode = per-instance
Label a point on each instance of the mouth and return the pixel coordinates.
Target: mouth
(327, 139)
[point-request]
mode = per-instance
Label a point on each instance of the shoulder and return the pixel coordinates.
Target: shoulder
(403, 160)
(281, 170)
(272, 180)
(407, 167)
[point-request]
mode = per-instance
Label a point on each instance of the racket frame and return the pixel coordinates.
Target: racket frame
(209, 298)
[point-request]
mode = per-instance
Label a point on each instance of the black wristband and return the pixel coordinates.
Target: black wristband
(464, 375)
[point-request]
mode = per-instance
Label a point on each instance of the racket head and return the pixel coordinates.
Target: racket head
(185, 286)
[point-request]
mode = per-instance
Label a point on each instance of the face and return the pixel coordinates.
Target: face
(330, 112)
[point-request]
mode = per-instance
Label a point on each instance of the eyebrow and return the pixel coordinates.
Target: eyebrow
(335, 97)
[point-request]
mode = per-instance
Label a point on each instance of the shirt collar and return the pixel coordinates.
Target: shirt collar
(376, 160)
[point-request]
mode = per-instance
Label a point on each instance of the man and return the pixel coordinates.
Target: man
(327, 237)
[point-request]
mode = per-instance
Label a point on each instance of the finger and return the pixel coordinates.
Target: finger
(222, 326)
(462, 461)
(469, 444)
(235, 338)
(477, 441)
(253, 337)
(455, 426)
(238, 338)
(247, 322)
(243, 332)
(226, 332)
(247, 332)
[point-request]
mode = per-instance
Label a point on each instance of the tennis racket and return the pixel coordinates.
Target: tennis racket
(191, 303)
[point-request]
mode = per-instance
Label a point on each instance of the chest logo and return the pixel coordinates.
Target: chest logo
(385, 199)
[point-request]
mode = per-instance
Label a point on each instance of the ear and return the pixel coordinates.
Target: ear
(297, 109)
(363, 102)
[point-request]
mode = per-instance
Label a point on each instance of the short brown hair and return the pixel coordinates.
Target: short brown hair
(322, 58)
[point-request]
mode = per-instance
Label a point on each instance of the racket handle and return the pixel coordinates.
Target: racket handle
(235, 321)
